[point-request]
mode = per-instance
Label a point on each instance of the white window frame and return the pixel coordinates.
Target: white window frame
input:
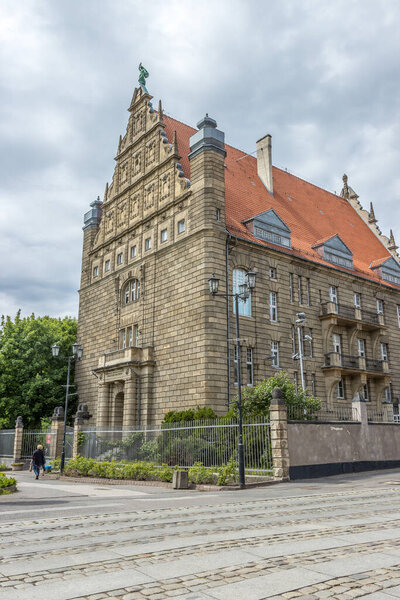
(337, 343)
(107, 265)
(398, 315)
(380, 309)
(310, 343)
(313, 384)
(333, 294)
(239, 277)
(95, 271)
(291, 291)
(384, 351)
(300, 289)
(133, 251)
(120, 258)
(123, 336)
(296, 380)
(366, 392)
(272, 272)
(130, 337)
(136, 335)
(181, 226)
(250, 367)
(164, 235)
(147, 244)
(293, 336)
(308, 291)
(361, 347)
(340, 389)
(275, 354)
(388, 394)
(218, 214)
(273, 307)
(357, 300)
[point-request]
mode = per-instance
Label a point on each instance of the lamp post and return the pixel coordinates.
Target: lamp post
(77, 352)
(301, 317)
(243, 294)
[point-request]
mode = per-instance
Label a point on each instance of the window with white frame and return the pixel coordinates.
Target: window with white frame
(123, 338)
(272, 272)
(293, 337)
(296, 380)
(181, 226)
(291, 291)
(218, 214)
(107, 265)
(365, 391)
(384, 351)
(147, 244)
(136, 335)
(333, 294)
(120, 258)
(361, 347)
(95, 271)
(388, 394)
(273, 307)
(340, 389)
(310, 343)
(133, 251)
(379, 307)
(238, 278)
(249, 365)
(337, 343)
(398, 315)
(130, 337)
(164, 235)
(300, 289)
(308, 291)
(131, 291)
(357, 300)
(275, 354)
(313, 384)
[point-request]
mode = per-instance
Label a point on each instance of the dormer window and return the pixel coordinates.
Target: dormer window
(335, 251)
(269, 226)
(388, 269)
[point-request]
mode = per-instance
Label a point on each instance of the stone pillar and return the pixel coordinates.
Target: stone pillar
(359, 409)
(279, 436)
(19, 430)
(82, 415)
(103, 405)
(129, 416)
(57, 432)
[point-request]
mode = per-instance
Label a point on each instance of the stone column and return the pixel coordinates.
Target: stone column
(57, 432)
(19, 430)
(103, 405)
(129, 416)
(82, 415)
(279, 436)
(359, 409)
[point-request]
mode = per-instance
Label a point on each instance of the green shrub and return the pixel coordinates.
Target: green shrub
(4, 467)
(6, 483)
(55, 463)
(198, 414)
(201, 474)
(138, 471)
(227, 473)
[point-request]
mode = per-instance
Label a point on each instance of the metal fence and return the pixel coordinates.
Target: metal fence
(211, 442)
(338, 413)
(7, 443)
(31, 439)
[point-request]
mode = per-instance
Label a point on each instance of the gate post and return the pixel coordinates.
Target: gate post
(82, 414)
(19, 431)
(57, 432)
(279, 436)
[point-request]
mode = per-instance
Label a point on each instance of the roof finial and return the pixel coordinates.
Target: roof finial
(143, 75)
(106, 192)
(392, 244)
(160, 110)
(347, 192)
(175, 143)
(371, 216)
(120, 143)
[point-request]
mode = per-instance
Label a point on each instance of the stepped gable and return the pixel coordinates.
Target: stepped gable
(310, 212)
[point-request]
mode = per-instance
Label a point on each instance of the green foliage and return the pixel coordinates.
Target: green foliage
(228, 473)
(31, 379)
(56, 464)
(256, 401)
(198, 414)
(4, 467)
(185, 450)
(5, 483)
(139, 470)
(201, 474)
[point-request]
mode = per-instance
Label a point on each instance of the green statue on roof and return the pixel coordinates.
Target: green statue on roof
(142, 77)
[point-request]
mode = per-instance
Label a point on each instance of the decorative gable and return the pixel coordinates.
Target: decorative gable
(388, 269)
(268, 226)
(335, 251)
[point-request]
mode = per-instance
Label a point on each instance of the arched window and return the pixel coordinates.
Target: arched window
(131, 291)
(239, 277)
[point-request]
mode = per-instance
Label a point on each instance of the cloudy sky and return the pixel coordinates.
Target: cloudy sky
(322, 76)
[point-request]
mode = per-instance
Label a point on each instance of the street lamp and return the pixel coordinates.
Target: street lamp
(243, 293)
(301, 317)
(77, 352)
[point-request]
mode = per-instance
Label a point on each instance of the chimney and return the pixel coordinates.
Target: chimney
(264, 162)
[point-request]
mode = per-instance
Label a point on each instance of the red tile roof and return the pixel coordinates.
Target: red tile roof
(311, 213)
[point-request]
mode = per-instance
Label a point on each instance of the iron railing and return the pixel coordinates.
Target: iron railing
(7, 443)
(370, 317)
(211, 442)
(338, 413)
(374, 365)
(31, 439)
(349, 312)
(345, 360)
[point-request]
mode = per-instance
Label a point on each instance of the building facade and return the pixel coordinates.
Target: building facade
(183, 205)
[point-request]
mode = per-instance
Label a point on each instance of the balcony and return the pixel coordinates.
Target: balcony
(126, 356)
(348, 316)
(355, 364)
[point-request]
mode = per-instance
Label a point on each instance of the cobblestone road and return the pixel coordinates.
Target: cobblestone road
(333, 538)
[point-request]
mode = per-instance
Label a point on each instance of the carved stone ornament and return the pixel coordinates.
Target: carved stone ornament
(19, 423)
(121, 215)
(149, 196)
(165, 186)
(58, 413)
(134, 206)
(110, 221)
(139, 122)
(137, 164)
(123, 174)
(150, 153)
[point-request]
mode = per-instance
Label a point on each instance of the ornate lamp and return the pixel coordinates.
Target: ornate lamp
(55, 349)
(213, 284)
(251, 279)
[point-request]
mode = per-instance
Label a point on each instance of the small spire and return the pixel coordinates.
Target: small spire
(106, 192)
(347, 192)
(160, 110)
(392, 244)
(175, 143)
(371, 216)
(120, 143)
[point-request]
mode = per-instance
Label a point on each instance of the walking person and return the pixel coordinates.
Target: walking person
(38, 460)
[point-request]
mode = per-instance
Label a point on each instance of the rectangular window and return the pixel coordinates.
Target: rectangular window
(313, 386)
(272, 272)
(291, 291)
(340, 389)
(164, 235)
(309, 339)
(361, 348)
(293, 336)
(398, 315)
(130, 337)
(249, 364)
(357, 300)
(275, 353)
(333, 295)
(120, 257)
(366, 392)
(384, 351)
(300, 289)
(337, 343)
(95, 271)
(123, 338)
(218, 214)
(107, 265)
(296, 380)
(308, 292)
(388, 394)
(235, 360)
(379, 307)
(273, 308)
(136, 335)
(181, 226)
(133, 251)
(147, 244)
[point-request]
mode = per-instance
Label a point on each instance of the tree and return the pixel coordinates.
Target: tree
(31, 380)
(256, 400)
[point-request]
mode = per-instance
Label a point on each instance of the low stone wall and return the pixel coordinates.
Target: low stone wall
(320, 449)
